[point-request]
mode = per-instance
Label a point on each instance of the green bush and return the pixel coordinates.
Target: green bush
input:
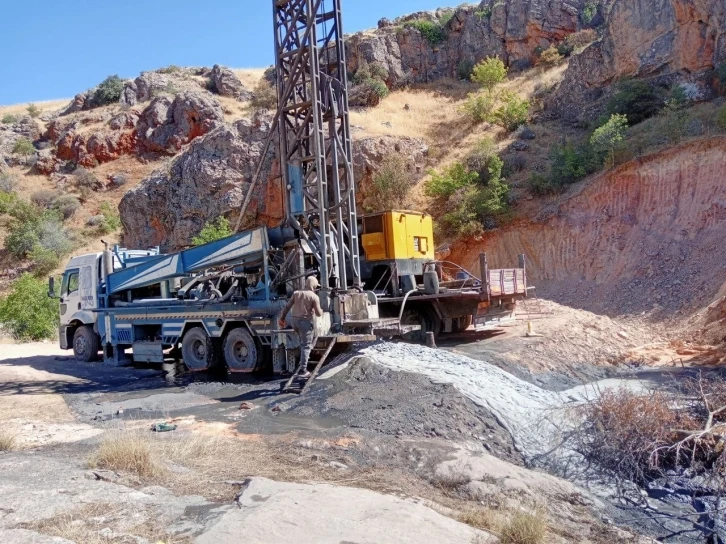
(480, 158)
(9, 119)
(213, 232)
(8, 182)
(17, 208)
(111, 219)
(570, 163)
(513, 113)
(637, 100)
(86, 178)
(489, 73)
(66, 205)
(609, 137)
(434, 32)
(479, 106)
(378, 87)
(542, 185)
(589, 11)
(465, 69)
(264, 97)
(721, 117)
(44, 261)
(33, 110)
(446, 183)
(391, 185)
(44, 198)
(27, 312)
(109, 91)
(24, 147)
(565, 49)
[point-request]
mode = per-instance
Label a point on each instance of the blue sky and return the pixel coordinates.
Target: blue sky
(57, 48)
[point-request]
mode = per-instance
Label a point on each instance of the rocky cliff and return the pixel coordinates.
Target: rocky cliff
(644, 38)
(509, 29)
(649, 233)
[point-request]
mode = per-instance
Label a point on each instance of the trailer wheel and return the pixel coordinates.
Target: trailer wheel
(240, 351)
(86, 344)
(463, 323)
(196, 349)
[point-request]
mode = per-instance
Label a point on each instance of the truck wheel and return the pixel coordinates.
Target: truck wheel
(463, 323)
(426, 318)
(86, 344)
(196, 349)
(240, 351)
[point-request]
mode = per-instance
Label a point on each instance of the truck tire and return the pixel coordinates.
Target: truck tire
(196, 349)
(86, 344)
(240, 351)
(463, 323)
(426, 317)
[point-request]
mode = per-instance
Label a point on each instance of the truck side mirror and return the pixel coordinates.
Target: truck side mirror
(51, 287)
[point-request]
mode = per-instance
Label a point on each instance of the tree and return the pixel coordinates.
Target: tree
(108, 91)
(27, 311)
(608, 137)
(33, 110)
(213, 232)
(489, 73)
(24, 147)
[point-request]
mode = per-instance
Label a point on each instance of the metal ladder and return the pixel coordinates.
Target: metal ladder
(318, 356)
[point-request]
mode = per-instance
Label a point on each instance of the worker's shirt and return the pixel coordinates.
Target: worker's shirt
(303, 304)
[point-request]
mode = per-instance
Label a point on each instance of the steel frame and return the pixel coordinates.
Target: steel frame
(315, 142)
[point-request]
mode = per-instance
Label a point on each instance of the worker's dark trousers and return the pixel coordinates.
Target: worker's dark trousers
(306, 331)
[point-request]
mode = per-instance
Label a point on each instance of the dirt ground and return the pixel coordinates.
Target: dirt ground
(363, 425)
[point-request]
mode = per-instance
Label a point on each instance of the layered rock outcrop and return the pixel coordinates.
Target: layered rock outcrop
(226, 83)
(150, 85)
(510, 29)
(646, 235)
(644, 38)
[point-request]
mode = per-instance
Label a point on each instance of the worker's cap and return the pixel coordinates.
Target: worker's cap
(312, 283)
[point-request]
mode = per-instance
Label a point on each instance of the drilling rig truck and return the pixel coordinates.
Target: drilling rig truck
(219, 303)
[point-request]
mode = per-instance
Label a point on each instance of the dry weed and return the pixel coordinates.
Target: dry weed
(485, 519)
(524, 528)
(126, 451)
(8, 440)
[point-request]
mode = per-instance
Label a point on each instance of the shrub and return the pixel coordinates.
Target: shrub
(171, 69)
(445, 184)
(22, 238)
(391, 184)
(52, 236)
(550, 56)
(24, 147)
(16, 207)
(66, 205)
(9, 119)
(721, 117)
(27, 311)
(637, 100)
(589, 11)
(213, 231)
(264, 96)
(570, 163)
(480, 107)
(109, 91)
(489, 73)
(378, 87)
(479, 159)
(44, 261)
(8, 182)
(44, 198)
(125, 452)
(609, 137)
(542, 185)
(484, 13)
(513, 112)
(465, 68)
(33, 110)
(524, 528)
(580, 40)
(8, 440)
(434, 32)
(111, 219)
(565, 49)
(86, 178)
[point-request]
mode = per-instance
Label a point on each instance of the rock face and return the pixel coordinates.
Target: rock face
(167, 124)
(151, 84)
(343, 514)
(226, 83)
(647, 38)
(208, 180)
(510, 29)
(25, 127)
(645, 236)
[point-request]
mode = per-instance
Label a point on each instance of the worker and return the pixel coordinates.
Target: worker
(305, 305)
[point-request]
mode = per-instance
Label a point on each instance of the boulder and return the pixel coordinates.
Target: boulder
(641, 39)
(152, 84)
(511, 30)
(125, 119)
(226, 83)
(168, 124)
(210, 179)
(81, 102)
(271, 512)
